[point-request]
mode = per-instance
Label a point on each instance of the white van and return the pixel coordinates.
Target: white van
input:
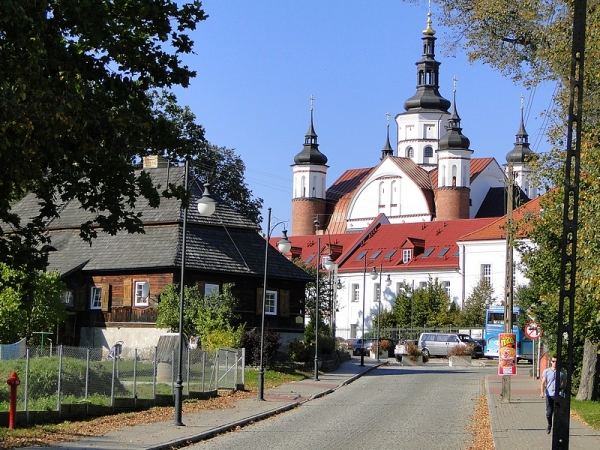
(439, 344)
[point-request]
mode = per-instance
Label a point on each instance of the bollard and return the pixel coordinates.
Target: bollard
(13, 381)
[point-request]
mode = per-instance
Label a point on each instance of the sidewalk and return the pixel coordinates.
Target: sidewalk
(521, 423)
(518, 424)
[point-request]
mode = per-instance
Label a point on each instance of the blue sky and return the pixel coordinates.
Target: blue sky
(259, 62)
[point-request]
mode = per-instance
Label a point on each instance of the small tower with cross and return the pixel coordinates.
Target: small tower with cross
(453, 195)
(309, 183)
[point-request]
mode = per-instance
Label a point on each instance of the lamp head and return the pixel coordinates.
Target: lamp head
(374, 273)
(206, 204)
(388, 281)
(284, 245)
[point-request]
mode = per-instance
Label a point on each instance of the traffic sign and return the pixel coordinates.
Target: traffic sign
(533, 330)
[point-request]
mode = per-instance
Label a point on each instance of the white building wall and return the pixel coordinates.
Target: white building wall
(309, 181)
(491, 176)
(419, 130)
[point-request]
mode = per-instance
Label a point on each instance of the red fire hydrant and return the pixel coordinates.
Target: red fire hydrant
(13, 381)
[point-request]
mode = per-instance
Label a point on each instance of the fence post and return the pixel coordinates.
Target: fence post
(203, 367)
(60, 353)
(155, 374)
(112, 384)
(27, 384)
(87, 371)
(173, 371)
(135, 356)
(235, 374)
(188, 372)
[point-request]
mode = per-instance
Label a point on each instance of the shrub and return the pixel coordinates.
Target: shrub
(461, 350)
(299, 351)
(251, 342)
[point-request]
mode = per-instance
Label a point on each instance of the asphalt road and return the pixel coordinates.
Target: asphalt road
(393, 407)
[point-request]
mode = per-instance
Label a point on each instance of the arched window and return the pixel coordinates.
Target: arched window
(314, 186)
(443, 175)
(302, 187)
(428, 152)
(410, 152)
(381, 199)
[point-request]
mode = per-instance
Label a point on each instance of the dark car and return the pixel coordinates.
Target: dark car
(477, 348)
(358, 345)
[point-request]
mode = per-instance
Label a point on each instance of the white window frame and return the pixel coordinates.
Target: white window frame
(446, 286)
(486, 273)
(68, 298)
(96, 297)
(271, 303)
(406, 255)
(138, 291)
(376, 293)
(210, 288)
(355, 292)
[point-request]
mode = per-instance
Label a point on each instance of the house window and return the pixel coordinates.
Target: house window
(446, 286)
(406, 255)
(376, 292)
(271, 303)
(142, 293)
(423, 285)
(428, 152)
(486, 273)
(355, 292)
(67, 298)
(399, 288)
(410, 152)
(210, 288)
(96, 299)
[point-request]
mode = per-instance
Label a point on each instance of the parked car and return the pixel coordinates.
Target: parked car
(365, 346)
(478, 351)
(439, 344)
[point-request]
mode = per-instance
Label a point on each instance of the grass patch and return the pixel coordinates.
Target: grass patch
(588, 411)
(274, 377)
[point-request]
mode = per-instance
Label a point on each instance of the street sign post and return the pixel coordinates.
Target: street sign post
(533, 330)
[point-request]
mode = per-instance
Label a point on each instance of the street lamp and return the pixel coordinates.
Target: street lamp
(331, 267)
(388, 283)
(206, 207)
(284, 246)
(362, 347)
(317, 308)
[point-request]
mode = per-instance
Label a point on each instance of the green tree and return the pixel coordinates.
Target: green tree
(210, 317)
(427, 306)
(325, 292)
(531, 42)
(402, 309)
(20, 313)
(478, 301)
(76, 110)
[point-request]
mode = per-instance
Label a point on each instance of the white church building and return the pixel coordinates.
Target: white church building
(429, 209)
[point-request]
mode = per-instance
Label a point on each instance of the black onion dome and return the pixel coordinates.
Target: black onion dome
(454, 137)
(310, 154)
(427, 96)
(521, 151)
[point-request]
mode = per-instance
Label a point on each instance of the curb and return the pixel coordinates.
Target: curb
(257, 417)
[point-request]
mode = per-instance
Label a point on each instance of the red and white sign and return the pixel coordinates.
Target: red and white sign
(533, 330)
(507, 355)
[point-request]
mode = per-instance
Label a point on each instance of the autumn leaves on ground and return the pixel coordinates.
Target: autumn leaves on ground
(48, 434)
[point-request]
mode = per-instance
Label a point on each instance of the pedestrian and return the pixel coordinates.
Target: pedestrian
(548, 389)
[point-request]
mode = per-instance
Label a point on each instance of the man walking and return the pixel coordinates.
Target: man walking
(548, 389)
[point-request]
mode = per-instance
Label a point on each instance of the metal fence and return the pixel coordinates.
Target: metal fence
(55, 379)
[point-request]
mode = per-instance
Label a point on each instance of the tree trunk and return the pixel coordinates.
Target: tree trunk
(588, 386)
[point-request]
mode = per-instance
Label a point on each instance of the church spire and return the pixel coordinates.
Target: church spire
(310, 154)
(387, 148)
(521, 151)
(427, 97)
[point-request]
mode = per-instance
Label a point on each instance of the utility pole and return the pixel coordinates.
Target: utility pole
(508, 288)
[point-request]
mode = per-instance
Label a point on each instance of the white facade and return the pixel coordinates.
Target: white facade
(309, 181)
(419, 131)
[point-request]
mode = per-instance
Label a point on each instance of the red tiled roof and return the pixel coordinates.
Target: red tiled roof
(378, 240)
(497, 229)
(347, 183)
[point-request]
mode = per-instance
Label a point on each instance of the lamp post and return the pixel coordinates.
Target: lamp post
(388, 282)
(284, 246)
(331, 268)
(317, 311)
(206, 207)
(362, 350)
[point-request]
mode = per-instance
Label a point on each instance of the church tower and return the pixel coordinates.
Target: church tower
(420, 127)
(452, 198)
(309, 185)
(519, 157)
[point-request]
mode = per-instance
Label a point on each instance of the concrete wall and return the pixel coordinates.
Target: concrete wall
(138, 337)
